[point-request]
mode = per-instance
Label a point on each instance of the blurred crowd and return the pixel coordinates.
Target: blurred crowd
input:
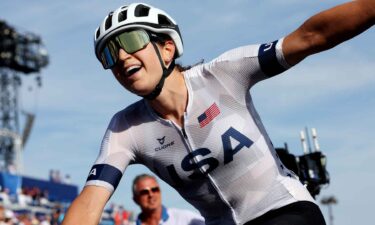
(29, 217)
(57, 177)
(117, 215)
(32, 206)
(114, 216)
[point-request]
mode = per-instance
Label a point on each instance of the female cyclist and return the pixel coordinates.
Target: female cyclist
(197, 129)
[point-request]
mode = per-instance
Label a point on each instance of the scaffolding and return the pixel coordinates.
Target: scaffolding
(21, 53)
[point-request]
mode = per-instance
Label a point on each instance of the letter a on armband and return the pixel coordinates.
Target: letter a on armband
(93, 172)
(268, 59)
(106, 173)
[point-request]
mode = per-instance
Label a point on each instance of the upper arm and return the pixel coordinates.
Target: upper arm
(87, 208)
(116, 153)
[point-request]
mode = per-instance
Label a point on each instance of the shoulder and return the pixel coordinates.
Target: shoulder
(249, 51)
(129, 115)
(230, 57)
(239, 52)
(269, 56)
(136, 107)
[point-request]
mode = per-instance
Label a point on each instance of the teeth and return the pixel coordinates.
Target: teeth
(133, 69)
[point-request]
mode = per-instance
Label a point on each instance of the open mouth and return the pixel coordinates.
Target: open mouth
(132, 70)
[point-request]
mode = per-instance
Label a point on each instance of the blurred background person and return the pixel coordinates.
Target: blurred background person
(147, 195)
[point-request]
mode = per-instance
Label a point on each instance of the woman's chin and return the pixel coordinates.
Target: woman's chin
(141, 92)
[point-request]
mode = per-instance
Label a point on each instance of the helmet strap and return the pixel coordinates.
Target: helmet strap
(166, 72)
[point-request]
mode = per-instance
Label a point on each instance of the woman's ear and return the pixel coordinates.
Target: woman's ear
(168, 52)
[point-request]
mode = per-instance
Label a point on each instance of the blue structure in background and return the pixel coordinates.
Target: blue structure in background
(10, 182)
(58, 192)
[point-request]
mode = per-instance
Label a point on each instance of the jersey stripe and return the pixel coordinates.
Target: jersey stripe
(268, 60)
(105, 172)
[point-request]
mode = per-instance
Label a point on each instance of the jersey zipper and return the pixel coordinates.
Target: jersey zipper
(187, 142)
(182, 131)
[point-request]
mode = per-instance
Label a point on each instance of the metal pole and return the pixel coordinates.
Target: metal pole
(330, 214)
(329, 201)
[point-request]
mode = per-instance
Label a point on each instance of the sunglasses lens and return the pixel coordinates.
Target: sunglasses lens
(148, 191)
(155, 189)
(131, 42)
(109, 55)
(144, 192)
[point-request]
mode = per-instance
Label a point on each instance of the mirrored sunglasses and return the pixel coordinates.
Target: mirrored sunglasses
(129, 41)
(147, 191)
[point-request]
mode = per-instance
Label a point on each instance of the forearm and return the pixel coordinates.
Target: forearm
(87, 208)
(331, 27)
(340, 23)
(79, 213)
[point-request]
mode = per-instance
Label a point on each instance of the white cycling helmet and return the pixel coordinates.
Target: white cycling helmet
(138, 15)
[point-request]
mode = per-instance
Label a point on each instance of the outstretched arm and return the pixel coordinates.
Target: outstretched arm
(87, 208)
(328, 29)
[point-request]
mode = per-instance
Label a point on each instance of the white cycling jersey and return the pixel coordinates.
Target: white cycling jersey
(222, 160)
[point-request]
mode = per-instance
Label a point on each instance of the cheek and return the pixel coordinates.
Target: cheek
(154, 70)
(150, 60)
(118, 78)
(115, 73)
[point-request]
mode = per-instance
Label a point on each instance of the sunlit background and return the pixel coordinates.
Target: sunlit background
(332, 92)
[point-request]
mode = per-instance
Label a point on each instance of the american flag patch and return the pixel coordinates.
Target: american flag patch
(208, 115)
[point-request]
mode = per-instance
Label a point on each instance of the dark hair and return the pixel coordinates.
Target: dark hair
(157, 37)
(161, 39)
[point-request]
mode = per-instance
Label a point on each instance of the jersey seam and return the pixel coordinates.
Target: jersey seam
(213, 183)
(222, 59)
(131, 133)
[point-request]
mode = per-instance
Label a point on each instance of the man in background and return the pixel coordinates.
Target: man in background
(147, 194)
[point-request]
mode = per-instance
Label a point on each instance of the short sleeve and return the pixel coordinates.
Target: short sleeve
(240, 68)
(114, 156)
(271, 58)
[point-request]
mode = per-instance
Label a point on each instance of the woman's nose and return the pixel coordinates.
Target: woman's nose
(123, 55)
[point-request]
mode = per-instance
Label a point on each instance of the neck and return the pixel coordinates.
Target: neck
(172, 101)
(151, 217)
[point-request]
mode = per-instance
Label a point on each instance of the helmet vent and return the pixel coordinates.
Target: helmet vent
(122, 16)
(141, 10)
(108, 22)
(163, 20)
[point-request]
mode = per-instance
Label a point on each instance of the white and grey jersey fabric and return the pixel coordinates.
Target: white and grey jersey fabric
(173, 216)
(221, 161)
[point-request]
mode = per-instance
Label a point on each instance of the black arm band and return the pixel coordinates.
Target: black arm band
(105, 172)
(268, 59)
